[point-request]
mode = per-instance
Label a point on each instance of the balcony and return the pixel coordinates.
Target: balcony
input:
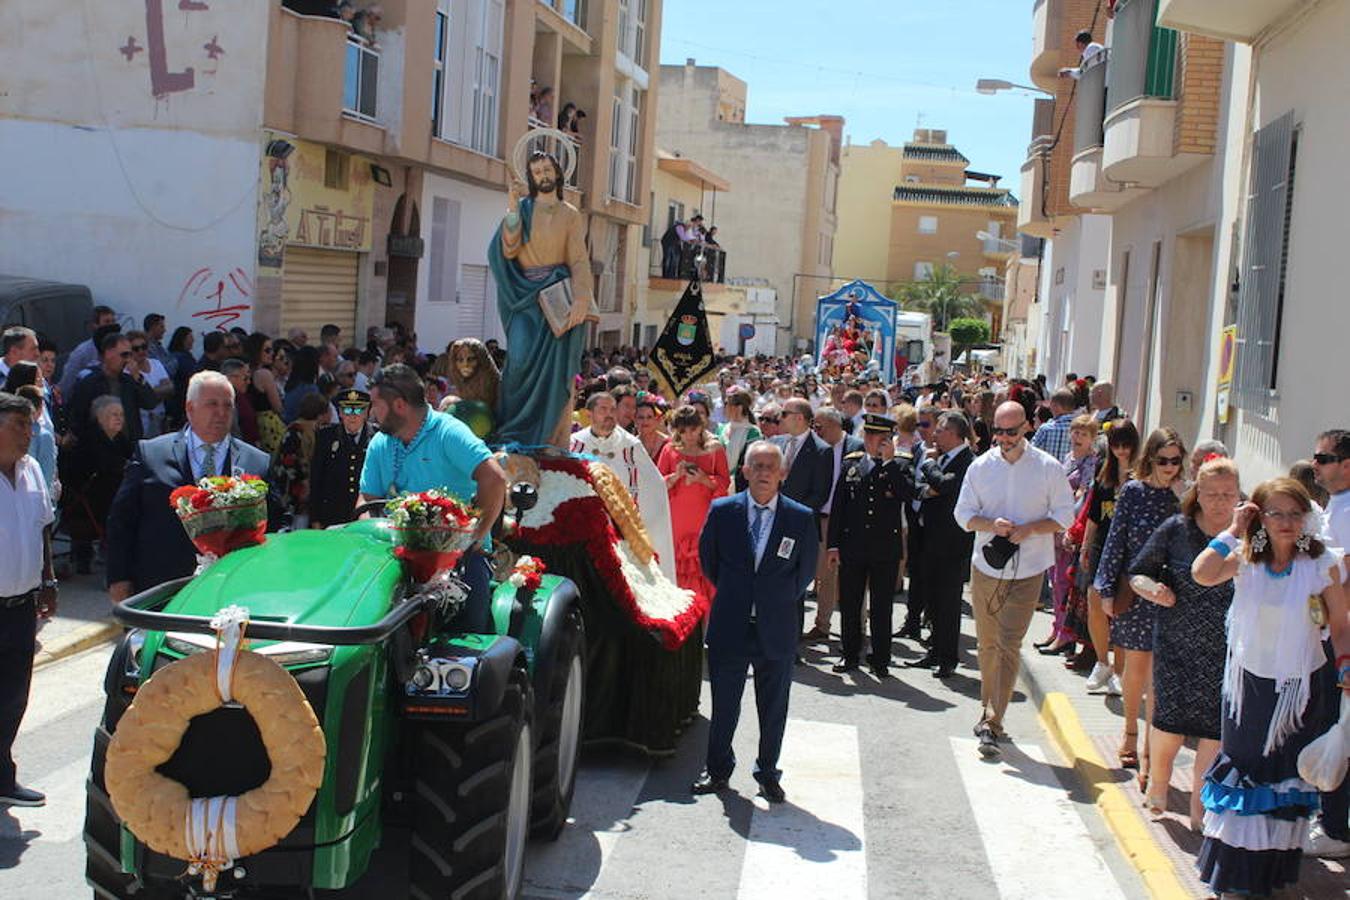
(322, 82)
(1141, 109)
(710, 263)
(1242, 21)
(1047, 36)
(1088, 185)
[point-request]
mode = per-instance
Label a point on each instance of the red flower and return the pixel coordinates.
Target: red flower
(201, 500)
(186, 490)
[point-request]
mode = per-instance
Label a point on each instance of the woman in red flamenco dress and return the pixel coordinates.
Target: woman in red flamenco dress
(695, 468)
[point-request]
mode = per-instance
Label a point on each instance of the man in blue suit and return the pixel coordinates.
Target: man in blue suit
(147, 545)
(758, 548)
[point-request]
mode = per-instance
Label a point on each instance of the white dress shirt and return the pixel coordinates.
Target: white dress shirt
(838, 451)
(765, 527)
(1029, 490)
(28, 510)
(1338, 523)
(197, 455)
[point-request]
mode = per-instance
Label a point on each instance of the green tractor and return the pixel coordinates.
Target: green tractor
(445, 751)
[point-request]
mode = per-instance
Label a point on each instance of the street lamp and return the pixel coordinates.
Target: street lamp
(994, 85)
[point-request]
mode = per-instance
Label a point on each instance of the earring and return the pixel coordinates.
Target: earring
(1259, 540)
(1304, 542)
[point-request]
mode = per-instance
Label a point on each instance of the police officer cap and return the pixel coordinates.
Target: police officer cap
(878, 424)
(353, 397)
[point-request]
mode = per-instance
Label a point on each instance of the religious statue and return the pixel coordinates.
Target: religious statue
(539, 260)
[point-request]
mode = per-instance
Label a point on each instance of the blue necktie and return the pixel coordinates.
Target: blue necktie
(756, 527)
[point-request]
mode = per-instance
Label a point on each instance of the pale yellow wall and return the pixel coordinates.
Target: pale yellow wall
(868, 175)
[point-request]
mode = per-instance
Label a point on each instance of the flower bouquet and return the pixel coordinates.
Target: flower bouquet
(527, 574)
(431, 531)
(223, 513)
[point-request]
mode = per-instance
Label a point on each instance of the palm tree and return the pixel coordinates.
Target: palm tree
(939, 295)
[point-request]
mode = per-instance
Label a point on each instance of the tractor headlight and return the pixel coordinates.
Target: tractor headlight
(135, 641)
(423, 678)
(457, 677)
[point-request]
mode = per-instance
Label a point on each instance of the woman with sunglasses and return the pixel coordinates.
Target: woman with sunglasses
(1115, 468)
(1144, 504)
(1278, 687)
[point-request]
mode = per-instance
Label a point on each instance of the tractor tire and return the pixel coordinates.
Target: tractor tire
(471, 803)
(560, 721)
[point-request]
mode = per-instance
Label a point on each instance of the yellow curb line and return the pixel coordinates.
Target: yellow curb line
(77, 641)
(1139, 847)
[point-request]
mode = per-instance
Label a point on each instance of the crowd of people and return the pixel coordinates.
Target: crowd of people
(1214, 614)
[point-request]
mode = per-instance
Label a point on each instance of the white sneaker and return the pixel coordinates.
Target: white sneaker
(1100, 677)
(1113, 688)
(1323, 845)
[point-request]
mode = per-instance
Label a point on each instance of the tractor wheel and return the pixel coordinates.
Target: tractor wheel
(471, 803)
(560, 722)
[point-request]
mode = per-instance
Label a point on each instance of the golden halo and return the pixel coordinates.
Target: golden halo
(560, 140)
(155, 808)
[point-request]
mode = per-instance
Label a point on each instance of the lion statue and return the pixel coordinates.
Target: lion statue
(473, 373)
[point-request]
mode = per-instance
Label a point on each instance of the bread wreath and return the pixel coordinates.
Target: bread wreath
(622, 510)
(156, 808)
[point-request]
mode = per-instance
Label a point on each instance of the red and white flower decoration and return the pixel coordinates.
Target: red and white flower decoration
(528, 573)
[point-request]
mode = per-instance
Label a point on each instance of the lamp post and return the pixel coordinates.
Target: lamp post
(994, 85)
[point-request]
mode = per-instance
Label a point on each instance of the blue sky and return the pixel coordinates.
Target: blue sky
(878, 64)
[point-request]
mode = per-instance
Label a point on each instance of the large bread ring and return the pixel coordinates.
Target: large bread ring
(622, 510)
(155, 808)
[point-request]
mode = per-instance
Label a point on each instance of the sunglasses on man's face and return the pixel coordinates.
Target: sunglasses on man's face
(1168, 460)
(1008, 432)
(352, 410)
(1328, 459)
(769, 420)
(139, 348)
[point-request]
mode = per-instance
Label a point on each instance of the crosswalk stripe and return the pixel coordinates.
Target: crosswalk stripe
(813, 845)
(1036, 842)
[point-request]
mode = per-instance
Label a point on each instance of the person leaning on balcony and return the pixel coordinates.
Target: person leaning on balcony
(1088, 50)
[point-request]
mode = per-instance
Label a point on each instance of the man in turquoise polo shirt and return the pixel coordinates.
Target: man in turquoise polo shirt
(419, 449)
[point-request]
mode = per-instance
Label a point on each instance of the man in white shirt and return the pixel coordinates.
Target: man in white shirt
(623, 453)
(1089, 51)
(27, 583)
(1015, 498)
(1330, 835)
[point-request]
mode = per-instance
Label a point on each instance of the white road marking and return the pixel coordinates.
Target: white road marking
(813, 845)
(601, 809)
(1036, 842)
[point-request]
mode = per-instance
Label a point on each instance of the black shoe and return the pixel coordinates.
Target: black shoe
(881, 672)
(22, 796)
(772, 791)
(844, 666)
(706, 784)
(798, 660)
(927, 661)
(1066, 649)
(988, 742)
(908, 632)
(944, 671)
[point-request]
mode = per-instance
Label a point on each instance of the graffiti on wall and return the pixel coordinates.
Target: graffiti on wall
(274, 227)
(312, 197)
(165, 80)
(218, 300)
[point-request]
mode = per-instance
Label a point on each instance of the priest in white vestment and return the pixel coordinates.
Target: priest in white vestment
(624, 454)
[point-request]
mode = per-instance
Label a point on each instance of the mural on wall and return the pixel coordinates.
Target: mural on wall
(217, 300)
(164, 80)
(311, 199)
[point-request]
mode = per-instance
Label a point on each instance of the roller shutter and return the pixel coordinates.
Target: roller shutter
(318, 288)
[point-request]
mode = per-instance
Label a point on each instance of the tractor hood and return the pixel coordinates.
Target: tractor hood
(343, 576)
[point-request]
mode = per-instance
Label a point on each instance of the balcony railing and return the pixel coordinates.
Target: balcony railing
(1090, 99)
(360, 78)
(552, 145)
(710, 263)
(1143, 56)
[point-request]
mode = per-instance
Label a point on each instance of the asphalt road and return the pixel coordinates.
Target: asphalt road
(886, 798)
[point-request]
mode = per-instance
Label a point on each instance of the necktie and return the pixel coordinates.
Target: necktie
(208, 460)
(756, 528)
(793, 445)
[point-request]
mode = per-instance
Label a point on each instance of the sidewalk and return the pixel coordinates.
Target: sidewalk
(81, 619)
(1088, 730)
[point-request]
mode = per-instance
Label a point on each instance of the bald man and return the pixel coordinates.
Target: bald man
(1015, 498)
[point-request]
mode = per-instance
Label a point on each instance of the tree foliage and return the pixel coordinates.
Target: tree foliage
(940, 295)
(966, 333)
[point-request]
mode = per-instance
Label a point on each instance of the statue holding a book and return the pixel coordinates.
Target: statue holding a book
(539, 260)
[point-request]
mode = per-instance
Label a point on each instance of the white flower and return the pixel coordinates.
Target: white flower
(517, 580)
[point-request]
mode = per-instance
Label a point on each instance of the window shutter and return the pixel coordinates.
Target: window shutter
(1262, 274)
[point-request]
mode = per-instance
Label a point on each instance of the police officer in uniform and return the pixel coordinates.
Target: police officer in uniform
(339, 453)
(864, 540)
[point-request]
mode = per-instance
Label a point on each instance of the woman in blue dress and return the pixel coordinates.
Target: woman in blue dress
(1143, 504)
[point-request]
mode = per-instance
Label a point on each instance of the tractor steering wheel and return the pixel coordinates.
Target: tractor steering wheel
(373, 507)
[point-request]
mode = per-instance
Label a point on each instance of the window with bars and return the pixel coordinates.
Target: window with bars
(1265, 258)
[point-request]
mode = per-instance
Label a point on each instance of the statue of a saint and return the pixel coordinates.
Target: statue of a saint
(541, 243)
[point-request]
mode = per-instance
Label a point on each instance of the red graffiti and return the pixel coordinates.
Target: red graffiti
(162, 81)
(130, 49)
(225, 300)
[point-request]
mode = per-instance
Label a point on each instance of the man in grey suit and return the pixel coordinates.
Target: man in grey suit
(809, 463)
(147, 545)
